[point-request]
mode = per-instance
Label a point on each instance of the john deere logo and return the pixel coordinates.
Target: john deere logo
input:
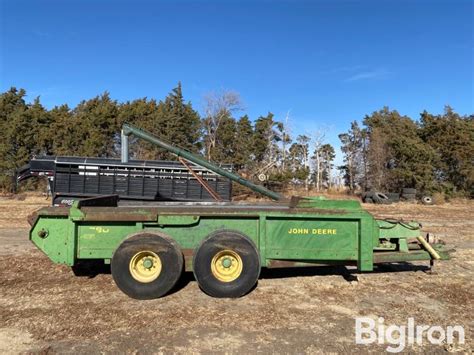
(312, 231)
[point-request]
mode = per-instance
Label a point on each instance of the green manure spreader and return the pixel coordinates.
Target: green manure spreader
(224, 244)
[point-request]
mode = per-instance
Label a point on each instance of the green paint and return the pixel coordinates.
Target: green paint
(313, 231)
(177, 220)
(57, 245)
(98, 241)
(227, 263)
(147, 263)
(390, 229)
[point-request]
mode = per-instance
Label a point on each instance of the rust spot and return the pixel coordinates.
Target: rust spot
(47, 211)
(126, 214)
(32, 218)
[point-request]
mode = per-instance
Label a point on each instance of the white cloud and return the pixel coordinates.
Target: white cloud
(380, 73)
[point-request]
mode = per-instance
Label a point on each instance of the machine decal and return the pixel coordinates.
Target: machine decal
(313, 231)
(100, 229)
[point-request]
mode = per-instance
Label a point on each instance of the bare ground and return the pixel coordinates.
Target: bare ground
(44, 308)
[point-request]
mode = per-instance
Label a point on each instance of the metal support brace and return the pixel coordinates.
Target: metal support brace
(128, 130)
(124, 147)
(203, 182)
(434, 254)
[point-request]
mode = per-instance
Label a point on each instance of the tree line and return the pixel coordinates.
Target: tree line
(390, 151)
(387, 152)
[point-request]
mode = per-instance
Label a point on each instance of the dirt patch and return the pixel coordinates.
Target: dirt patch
(45, 308)
(14, 340)
(15, 209)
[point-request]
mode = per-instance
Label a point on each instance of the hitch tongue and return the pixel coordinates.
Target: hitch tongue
(434, 254)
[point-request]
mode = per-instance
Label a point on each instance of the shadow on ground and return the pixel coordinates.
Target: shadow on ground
(92, 268)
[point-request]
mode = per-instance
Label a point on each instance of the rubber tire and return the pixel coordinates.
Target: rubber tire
(381, 198)
(171, 259)
(367, 197)
(427, 200)
(408, 191)
(239, 243)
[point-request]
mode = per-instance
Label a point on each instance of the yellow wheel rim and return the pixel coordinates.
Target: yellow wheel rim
(145, 266)
(226, 265)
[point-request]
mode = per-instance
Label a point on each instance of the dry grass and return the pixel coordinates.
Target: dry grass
(14, 209)
(439, 198)
(332, 193)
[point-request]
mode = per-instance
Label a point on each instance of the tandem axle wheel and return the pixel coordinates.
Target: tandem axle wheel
(226, 264)
(147, 265)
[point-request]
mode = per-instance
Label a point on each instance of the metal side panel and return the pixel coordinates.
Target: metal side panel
(99, 240)
(190, 236)
(54, 236)
(312, 238)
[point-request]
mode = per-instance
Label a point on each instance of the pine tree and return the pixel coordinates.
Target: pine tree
(172, 120)
(452, 139)
(409, 160)
(225, 149)
(62, 132)
(265, 139)
(298, 155)
(328, 154)
(243, 143)
(41, 120)
(97, 126)
(181, 122)
(19, 135)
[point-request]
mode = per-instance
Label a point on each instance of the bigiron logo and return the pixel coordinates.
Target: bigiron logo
(369, 331)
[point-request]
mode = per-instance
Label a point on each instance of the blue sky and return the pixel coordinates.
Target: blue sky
(327, 62)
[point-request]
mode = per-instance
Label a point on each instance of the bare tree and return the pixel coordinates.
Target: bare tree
(218, 105)
(317, 139)
(286, 138)
(377, 155)
(354, 148)
(350, 150)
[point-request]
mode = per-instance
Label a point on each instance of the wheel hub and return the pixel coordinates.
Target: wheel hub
(148, 263)
(145, 266)
(226, 265)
